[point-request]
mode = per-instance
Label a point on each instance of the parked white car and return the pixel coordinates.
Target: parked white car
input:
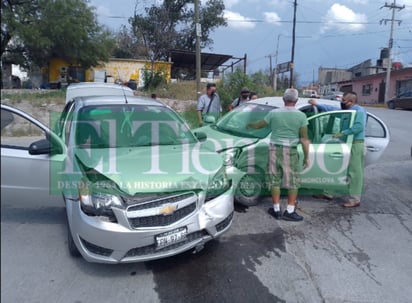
(334, 95)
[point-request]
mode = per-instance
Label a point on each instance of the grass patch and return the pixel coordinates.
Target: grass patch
(190, 116)
(184, 90)
(35, 97)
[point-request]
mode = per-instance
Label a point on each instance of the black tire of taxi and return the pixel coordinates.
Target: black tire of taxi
(74, 252)
(249, 189)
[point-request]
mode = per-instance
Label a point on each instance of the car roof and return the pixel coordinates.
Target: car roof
(116, 100)
(96, 89)
(302, 102)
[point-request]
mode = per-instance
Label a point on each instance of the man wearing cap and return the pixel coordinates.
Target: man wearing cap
(244, 97)
(289, 128)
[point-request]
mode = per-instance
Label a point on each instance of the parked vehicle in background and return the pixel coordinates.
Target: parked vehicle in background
(403, 100)
(310, 93)
(136, 182)
(334, 95)
(85, 89)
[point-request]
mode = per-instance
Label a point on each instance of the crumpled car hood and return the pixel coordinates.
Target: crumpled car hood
(220, 140)
(153, 169)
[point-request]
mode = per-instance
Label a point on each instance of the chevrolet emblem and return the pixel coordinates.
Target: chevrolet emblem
(167, 210)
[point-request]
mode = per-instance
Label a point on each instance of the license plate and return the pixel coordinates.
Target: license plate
(170, 237)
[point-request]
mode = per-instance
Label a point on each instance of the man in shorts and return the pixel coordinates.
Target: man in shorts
(289, 128)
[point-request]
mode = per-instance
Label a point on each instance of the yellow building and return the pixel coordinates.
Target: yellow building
(132, 69)
(60, 71)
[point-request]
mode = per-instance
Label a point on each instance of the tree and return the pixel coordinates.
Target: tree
(43, 29)
(171, 26)
(127, 45)
(16, 15)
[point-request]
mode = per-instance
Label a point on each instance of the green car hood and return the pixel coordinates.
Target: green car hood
(153, 169)
(219, 141)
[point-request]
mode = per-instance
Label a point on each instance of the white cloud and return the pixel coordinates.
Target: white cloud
(343, 18)
(230, 3)
(271, 17)
(237, 21)
(103, 11)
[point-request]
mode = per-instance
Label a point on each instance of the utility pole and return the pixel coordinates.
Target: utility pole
(392, 6)
(198, 35)
(293, 44)
(275, 80)
(271, 70)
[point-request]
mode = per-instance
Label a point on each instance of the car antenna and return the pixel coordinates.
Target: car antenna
(124, 93)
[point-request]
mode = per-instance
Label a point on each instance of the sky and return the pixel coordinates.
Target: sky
(329, 33)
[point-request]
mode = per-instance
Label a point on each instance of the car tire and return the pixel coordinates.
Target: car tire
(74, 252)
(249, 189)
(391, 105)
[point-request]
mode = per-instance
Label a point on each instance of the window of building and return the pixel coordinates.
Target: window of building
(366, 89)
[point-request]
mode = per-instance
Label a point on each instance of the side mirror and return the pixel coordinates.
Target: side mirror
(201, 136)
(42, 147)
(210, 119)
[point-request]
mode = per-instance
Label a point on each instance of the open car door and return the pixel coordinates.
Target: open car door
(329, 157)
(28, 149)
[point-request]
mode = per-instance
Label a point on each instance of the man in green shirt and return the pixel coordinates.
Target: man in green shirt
(289, 128)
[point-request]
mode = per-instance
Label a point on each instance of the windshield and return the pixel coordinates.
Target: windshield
(129, 125)
(235, 121)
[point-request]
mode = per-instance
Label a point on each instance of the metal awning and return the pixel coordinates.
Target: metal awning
(187, 59)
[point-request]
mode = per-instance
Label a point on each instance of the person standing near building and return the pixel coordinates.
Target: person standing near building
(357, 153)
(289, 128)
(244, 97)
(208, 104)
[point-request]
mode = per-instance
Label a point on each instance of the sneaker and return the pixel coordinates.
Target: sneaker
(292, 217)
(274, 214)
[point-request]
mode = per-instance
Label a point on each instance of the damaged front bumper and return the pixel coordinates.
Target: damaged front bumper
(120, 242)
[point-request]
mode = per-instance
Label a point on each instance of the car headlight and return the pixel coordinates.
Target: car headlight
(218, 185)
(229, 156)
(96, 201)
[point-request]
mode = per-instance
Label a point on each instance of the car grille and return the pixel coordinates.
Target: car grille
(161, 220)
(151, 249)
(188, 204)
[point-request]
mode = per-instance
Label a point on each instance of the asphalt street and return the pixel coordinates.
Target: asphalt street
(335, 255)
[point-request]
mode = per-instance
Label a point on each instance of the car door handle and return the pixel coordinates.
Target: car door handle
(373, 148)
(336, 155)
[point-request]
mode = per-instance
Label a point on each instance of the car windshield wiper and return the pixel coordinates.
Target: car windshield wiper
(234, 132)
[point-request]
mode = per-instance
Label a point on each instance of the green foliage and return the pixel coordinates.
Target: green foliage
(230, 88)
(152, 80)
(190, 116)
(42, 29)
(171, 26)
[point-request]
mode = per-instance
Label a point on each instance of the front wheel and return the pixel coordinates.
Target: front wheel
(391, 105)
(74, 252)
(249, 189)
